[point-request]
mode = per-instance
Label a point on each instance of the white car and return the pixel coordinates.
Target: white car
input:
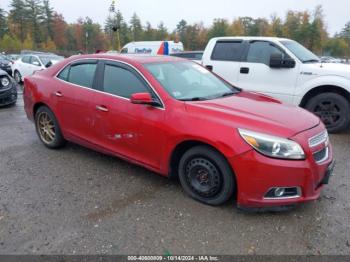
(286, 70)
(30, 63)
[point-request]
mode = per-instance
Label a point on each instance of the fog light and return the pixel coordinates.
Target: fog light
(279, 191)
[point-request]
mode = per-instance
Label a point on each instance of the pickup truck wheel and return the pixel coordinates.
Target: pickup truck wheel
(48, 128)
(206, 176)
(333, 109)
(17, 76)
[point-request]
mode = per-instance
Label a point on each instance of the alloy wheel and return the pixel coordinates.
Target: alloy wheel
(46, 128)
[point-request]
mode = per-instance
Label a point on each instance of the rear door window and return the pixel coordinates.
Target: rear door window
(228, 51)
(82, 74)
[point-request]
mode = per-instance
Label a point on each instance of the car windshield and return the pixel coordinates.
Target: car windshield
(46, 59)
(302, 53)
(188, 81)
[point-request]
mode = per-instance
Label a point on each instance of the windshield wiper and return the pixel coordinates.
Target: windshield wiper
(193, 99)
(231, 93)
(311, 61)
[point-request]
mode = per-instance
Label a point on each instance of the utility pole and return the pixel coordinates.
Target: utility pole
(86, 41)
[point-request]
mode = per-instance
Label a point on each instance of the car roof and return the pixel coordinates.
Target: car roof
(251, 38)
(131, 58)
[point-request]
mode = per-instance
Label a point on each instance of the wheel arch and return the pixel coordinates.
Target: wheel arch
(37, 106)
(180, 149)
(324, 89)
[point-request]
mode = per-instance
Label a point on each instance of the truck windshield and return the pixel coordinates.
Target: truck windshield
(303, 54)
(187, 81)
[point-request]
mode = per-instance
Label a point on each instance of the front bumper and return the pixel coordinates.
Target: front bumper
(8, 96)
(257, 174)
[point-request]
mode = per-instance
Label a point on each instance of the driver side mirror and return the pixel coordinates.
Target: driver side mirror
(48, 64)
(277, 61)
(143, 99)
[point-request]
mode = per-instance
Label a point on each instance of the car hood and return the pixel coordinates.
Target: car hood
(255, 112)
(326, 69)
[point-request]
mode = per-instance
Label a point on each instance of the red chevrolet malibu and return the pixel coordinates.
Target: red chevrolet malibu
(178, 119)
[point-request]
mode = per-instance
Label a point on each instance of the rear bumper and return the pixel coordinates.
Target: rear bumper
(8, 96)
(257, 174)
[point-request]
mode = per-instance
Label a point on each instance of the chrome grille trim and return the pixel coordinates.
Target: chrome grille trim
(318, 139)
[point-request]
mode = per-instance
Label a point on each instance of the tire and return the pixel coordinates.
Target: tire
(48, 129)
(333, 109)
(17, 76)
(206, 176)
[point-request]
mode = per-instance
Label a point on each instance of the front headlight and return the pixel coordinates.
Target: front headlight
(273, 146)
(5, 81)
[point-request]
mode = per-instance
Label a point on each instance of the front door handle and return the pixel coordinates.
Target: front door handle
(58, 93)
(244, 70)
(102, 108)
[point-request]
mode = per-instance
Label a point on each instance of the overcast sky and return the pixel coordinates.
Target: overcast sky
(172, 11)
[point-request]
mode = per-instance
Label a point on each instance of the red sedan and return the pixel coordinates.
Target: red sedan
(178, 119)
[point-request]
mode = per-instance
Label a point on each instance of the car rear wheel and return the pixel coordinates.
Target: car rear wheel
(333, 109)
(17, 76)
(48, 128)
(206, 176)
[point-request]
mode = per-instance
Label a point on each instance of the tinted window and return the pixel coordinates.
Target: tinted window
(121, 82)
(260, 52)
(64, 74)
(82, 74)
(34, 60)
(26, 59)
(227, 51)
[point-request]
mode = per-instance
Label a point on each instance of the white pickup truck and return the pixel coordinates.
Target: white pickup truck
(286, 70)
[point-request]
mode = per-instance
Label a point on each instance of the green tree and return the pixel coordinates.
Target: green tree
(149, 32)
(136, 28)
(18, 19)
(48, 15)
(181, 29)
(162, 32)
(35, 14)
(3, 23)
(337, 47)
(220, 27)
(318, 34)
(9, 43)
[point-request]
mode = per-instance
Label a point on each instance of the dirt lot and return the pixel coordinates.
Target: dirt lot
(77, 201)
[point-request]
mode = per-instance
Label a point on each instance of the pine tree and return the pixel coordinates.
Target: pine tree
(48, 14)
(136, 28)
(3, 23)
(18, 18)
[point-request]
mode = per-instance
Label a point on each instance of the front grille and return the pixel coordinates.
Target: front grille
(318, 139)
(321, 155)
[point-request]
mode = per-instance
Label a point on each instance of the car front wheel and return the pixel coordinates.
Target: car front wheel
(333, 109)
(206, 176)
(48, 128)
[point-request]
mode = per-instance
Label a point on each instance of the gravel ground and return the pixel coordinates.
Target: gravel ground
(77, 201)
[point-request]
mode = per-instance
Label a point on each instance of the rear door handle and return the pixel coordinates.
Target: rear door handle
(244, 70)
(102, 108)
(209, 67)
(58, 93)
